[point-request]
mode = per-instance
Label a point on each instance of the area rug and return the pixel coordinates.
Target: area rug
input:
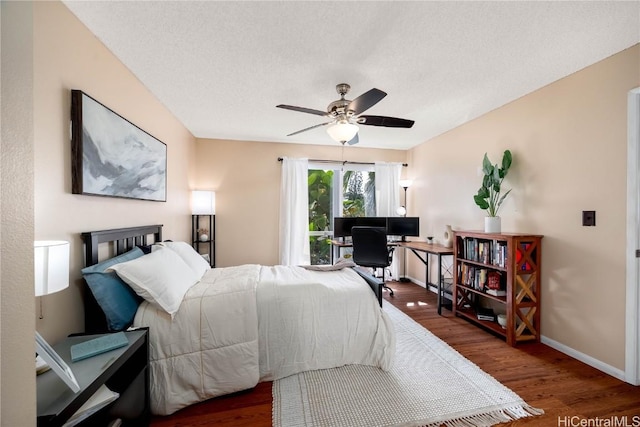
(430, 384)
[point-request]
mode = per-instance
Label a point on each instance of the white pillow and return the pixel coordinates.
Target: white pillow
(190, 256)
(161, 277)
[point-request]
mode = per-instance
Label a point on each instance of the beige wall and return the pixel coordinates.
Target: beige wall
(67, 56)
(246, 178)
(568, 139)
(17, 344)
(569, 142)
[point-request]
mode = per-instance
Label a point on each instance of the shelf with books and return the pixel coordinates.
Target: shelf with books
(502, 272)
(499, 298)
(491, 325)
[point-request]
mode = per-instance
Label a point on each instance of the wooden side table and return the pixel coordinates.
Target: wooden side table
(124, 370)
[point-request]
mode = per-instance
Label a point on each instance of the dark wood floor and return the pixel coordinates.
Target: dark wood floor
(545, 378)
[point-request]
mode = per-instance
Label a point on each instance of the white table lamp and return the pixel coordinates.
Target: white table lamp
(51, 266)
(51, 269)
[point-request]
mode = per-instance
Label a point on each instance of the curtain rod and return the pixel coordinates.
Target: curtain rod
(344, 162)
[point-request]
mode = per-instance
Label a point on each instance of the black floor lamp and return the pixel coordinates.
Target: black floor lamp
(404, 183)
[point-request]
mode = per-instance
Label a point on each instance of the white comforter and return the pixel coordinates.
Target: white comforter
(240, 325)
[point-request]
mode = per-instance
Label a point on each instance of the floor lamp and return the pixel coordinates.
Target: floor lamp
(404, 183)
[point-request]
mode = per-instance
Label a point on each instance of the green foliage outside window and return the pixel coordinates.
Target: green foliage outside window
(320, 194)
(358, 190)
(359, 195)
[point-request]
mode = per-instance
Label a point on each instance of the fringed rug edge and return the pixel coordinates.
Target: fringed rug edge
(485, 419)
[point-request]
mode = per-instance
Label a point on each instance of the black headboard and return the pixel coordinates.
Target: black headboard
(122, 240)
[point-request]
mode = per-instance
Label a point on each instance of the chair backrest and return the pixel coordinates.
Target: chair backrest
(370, 246)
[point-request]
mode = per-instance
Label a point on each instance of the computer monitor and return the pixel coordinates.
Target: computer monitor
(342, 226)
(403, 226)
(371, 221)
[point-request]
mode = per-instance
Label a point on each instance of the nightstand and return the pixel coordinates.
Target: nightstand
(124, 370)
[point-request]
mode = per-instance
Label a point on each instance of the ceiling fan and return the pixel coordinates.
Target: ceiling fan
(345, 115)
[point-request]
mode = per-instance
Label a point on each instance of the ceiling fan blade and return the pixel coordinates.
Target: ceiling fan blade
(309, 128)
(366, 100)
(354, 140)
(390, 122)
(302, 109)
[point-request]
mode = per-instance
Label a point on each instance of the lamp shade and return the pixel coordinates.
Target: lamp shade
(405, 183)
(203, 202)
(51, 266)
(342, 131)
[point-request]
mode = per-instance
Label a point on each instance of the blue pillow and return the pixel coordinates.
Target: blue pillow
(118, 301)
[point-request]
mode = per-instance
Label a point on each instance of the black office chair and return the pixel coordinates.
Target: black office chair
(370, 249)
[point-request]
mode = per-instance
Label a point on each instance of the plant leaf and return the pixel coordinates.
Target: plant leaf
(503, 196)
(481, 202)
(487, 167)
(506, 161)
(487, 181)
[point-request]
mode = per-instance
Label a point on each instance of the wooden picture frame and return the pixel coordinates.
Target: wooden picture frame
(110, 156)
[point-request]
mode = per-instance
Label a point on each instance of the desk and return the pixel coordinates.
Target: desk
(337, 245)
(430, 249)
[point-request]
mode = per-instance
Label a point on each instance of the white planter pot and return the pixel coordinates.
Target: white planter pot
(492, 224)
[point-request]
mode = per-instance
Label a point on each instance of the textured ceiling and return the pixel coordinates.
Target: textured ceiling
(222, 67)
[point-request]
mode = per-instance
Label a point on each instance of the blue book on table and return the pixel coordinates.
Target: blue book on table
(98, 345)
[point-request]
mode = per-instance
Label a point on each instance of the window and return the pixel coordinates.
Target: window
(335, 192)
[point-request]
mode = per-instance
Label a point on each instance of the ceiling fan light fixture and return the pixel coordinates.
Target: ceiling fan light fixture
(342, 131)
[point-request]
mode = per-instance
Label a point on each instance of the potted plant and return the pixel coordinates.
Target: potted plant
(490, 197)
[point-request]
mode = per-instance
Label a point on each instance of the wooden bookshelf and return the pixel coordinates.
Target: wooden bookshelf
(508, 262)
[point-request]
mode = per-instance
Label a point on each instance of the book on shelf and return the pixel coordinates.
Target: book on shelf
(100, 399)
(490, 252)
(496, 292)
(493, 280)
(483, 313)
(41, 365)
(495, 285)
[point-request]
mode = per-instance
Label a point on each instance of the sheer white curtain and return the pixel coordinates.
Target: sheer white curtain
(294, 212)
(388, 197)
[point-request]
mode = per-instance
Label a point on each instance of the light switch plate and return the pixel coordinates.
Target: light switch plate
(589, 218)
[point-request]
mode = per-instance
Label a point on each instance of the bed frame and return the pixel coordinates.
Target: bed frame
(125, 239)
(121, 240)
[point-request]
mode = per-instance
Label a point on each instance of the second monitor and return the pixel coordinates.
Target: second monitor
(403, 226)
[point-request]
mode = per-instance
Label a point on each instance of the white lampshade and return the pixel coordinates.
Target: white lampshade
(203, 202)
(51, 266)
(342, 131)
(405, 183)
(401, 211)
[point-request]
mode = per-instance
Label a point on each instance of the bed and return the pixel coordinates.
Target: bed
(234, 326)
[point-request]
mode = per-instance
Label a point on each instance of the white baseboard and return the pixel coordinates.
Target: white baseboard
(416, 281)
(584, 358)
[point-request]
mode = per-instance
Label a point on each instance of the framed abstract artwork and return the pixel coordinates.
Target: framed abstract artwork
(111, 156)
